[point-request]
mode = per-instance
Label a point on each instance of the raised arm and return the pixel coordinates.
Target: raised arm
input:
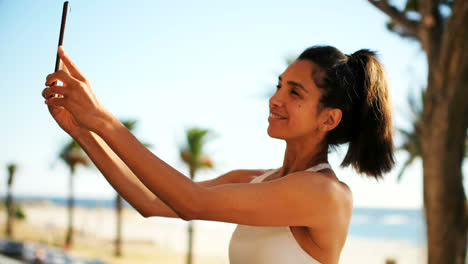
(130, 187)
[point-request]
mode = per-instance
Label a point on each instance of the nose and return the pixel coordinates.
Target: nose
(276, 99)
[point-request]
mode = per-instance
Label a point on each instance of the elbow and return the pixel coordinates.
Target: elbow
(192, 208)
(185, 216)
(144, 213)
(189, 213)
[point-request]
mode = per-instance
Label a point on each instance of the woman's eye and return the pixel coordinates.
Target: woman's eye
(294, 92)
(278, 86)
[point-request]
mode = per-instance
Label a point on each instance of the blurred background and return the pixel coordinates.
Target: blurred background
(171, 68)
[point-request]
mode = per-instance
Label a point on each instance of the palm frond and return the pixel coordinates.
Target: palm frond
(12, 167)
(412, 138)
(130, 124)
(195, 141)
(192, 154)
(72, 154)
(407, 163)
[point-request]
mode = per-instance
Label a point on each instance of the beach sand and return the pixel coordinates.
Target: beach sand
(164, 240)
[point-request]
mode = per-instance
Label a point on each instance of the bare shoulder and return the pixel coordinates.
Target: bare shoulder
(336, 190)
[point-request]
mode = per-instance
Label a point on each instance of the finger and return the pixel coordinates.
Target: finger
(61, 67)
(44, 94)
(54, 90)
(52, 108)
(65, 69)
(61, 76)
(56, 102)
(72, 68)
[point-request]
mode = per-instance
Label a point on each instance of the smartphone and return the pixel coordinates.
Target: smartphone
(58, 63)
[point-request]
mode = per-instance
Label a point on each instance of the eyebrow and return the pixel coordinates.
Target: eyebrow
(293, 83)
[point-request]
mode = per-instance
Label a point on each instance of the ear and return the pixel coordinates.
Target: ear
(332, 117)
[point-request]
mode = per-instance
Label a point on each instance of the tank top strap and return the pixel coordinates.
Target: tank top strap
(263, 176)
(319, 167)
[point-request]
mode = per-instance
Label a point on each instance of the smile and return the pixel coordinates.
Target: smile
(275, 117)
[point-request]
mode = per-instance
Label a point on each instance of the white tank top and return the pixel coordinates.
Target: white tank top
(268, 244)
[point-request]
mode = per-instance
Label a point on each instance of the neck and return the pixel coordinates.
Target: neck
(303, 154)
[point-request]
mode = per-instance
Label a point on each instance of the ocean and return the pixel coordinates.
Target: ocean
(368, 223)
(389, 224)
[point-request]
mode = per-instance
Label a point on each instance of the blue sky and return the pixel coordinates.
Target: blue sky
(177, 64)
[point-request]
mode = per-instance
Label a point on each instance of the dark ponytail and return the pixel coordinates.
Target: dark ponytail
(357, 85)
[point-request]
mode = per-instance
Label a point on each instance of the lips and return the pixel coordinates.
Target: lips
(276, 116)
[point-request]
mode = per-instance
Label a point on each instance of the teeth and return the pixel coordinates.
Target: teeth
(276, 116)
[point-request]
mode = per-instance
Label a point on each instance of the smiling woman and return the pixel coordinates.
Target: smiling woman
(298, 213)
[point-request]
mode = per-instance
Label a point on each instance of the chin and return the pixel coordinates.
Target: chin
(274, 133)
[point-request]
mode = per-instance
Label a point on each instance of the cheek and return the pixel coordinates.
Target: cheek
(303, 112)
(304, 117)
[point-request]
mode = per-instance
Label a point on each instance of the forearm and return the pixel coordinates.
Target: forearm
(122, 178)
(172, 187)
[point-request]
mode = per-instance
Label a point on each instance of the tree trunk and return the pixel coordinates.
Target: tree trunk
(443, 145)
(118, 238)
(190, 226)
(444, 197)
(10, 213)
(190, 243)
(71, 205)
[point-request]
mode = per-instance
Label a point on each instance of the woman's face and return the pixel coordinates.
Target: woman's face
(294, 106)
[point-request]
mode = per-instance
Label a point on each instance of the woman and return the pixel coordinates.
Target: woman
(299, 213)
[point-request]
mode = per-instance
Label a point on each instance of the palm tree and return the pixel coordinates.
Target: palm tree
(72, 155)
(192, 155)
(9, 199)
(411, 138)
(130, 125)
